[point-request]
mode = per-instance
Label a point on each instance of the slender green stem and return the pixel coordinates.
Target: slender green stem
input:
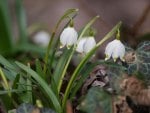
(67, 64)
(68, 12)
(83, 62)
(118, 34)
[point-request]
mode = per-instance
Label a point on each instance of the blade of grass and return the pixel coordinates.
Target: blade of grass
(6, 43)
(39, 68)
(60, 67)
(5, 82)
(3, 92)
(6, 63)
(84, 61)
(43, 84)
(8, 69)
(10, 75)
(29, 87)
(21, 19)
(14, 86)
(30, 48)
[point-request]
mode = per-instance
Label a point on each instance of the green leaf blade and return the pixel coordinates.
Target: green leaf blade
(6, 43)
(44, 85)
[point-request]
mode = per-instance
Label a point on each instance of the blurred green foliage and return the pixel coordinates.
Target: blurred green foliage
(6, 43)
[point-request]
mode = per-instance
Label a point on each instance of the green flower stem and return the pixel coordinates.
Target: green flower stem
(83, 62)
(118, 35)
(71, 54)
(68, 12)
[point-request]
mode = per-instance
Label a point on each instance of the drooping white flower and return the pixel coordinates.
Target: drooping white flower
(80, 45)
(68, 37)
(115, 49)
(41, 38)
(86, 44)
(89, 44)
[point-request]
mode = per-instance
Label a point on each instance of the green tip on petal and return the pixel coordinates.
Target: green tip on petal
(107, 57)
(61, 46)
(68, 46)
(122, 59)
(39, 103)
(115, 59)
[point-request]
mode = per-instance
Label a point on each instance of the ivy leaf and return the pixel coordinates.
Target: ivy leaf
(141, 61)
(115, 74)
(29, 108)
(25, 108)
(96, 101)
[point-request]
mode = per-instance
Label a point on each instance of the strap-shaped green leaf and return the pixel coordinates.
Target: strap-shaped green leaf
(21, 19)
(44, 86)
(6, 43)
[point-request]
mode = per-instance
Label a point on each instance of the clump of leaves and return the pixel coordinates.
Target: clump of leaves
(97, 101)
(138, 60)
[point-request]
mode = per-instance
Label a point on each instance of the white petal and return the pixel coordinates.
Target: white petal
(116, 53)
(68, 36)
(89, 44)
(42, 38)
(109, 50)
(63, 36)
(119, 49)
(72, 38)
(122, 52)
(80, 45)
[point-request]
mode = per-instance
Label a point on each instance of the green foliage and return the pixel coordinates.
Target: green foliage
(9, 47)
(141, 62)
(44, 86)
(6, 36)
(97, 101)
(21, 19)
(25, 108)
(29, 108)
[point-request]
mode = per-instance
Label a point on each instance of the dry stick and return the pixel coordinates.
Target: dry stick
(140, 21)
(69, 107)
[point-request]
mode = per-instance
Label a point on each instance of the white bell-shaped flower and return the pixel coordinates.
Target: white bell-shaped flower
(41, 38)
(68, 37)
(80, 45)
(86, 44)
(89, 44)
(115, 49)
